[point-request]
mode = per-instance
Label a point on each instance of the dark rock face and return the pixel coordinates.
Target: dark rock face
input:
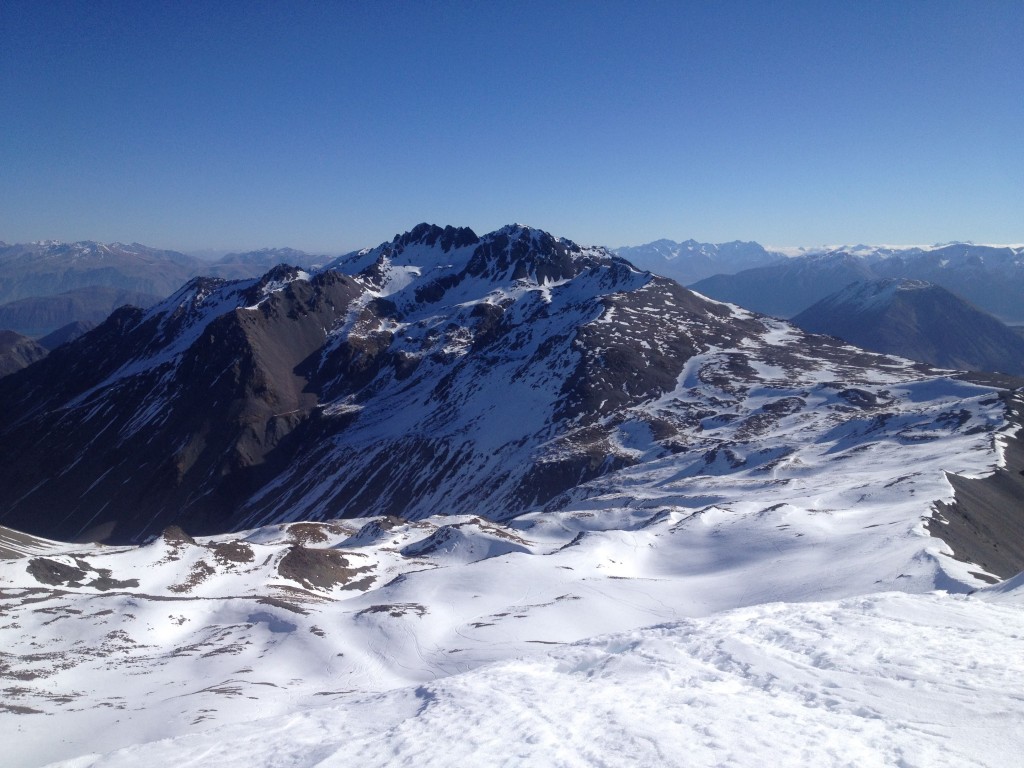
(58, 574)
(165, 437)
(17, 352)
(985, 522)
(430, 235)
(919, 321)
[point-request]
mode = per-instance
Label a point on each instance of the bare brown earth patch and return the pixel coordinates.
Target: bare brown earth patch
(201, 571)
(321, 568)
(55, 573)
(47, 571)
(229, 552)
(307, 533)
(396, 610)
(175, 534)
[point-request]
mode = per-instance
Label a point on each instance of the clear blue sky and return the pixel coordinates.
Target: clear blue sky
(330, 126)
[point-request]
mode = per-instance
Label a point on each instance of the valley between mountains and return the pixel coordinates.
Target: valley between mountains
(506, 499)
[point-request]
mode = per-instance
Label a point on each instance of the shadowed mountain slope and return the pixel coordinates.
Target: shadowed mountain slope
(66, 333)
(918, 320)
(17, 352)
(41, 315)
(785, 288)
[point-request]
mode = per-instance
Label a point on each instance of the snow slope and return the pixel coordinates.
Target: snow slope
(890, 679)
(458, 624)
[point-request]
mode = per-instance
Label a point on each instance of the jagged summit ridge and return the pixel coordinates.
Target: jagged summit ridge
(514, 252)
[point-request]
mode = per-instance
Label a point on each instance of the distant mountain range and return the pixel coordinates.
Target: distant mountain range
(239, 266)
(87, 276)
(52, 267)
(690, 261)
(991, 277)
(46, 285)
(39, 315)
(920, 321)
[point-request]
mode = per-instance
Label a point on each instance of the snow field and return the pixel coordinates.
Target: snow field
(889, 679)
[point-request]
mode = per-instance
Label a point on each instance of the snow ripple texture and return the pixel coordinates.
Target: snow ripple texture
(890, 679)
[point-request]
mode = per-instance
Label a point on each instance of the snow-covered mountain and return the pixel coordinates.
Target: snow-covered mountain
(51, 267)
(989, 276)
(567, 639)
(919, 320)
(238, 266)
(439, 372)
(690, 261)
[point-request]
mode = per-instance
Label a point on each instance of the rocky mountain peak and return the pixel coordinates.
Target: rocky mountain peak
(446, 238)
(516, 252)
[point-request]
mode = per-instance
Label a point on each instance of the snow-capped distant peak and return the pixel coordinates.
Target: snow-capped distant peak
(876, 293)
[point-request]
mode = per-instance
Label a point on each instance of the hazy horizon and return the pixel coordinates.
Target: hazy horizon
(791, 249)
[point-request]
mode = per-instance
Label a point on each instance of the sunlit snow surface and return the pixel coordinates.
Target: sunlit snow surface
(889, 679)
(453, 640)
(445, 640)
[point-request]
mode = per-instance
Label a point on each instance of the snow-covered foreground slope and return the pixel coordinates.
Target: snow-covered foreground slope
(107, 647)
(379, 641)
(890, 679)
